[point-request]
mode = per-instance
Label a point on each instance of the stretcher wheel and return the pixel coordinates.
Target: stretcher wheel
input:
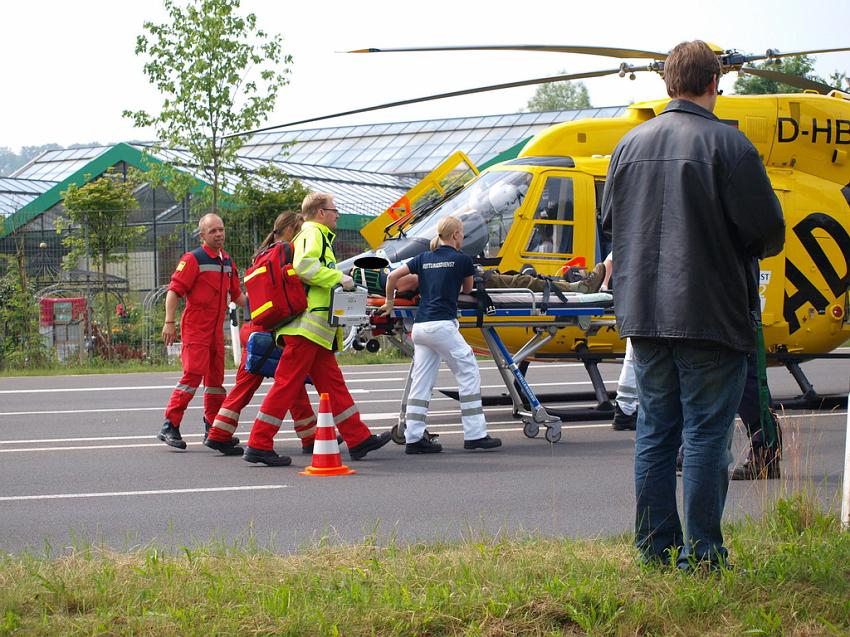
(358, 345)
(553, 435)
(531, 429)
(373, 345)
(397, 434)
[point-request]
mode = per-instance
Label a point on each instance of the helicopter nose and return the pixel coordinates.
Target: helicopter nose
(389, 252)
(404, 248)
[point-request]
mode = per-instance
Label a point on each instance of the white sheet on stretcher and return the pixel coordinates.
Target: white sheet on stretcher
(524, 299)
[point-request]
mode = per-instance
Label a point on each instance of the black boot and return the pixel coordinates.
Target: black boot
(623, 421)
(487, 442)
(170, 435)
(207, 426)
(423, 445)
(227, 448)
(762, 463)
(371, 443)
(269, 458)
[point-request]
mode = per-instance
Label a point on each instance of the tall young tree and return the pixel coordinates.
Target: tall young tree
(559, 96)
(21, 344)
(97, 217)
(218, 74)
(257, 201)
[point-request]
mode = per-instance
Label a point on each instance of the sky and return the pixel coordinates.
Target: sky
(69, 68)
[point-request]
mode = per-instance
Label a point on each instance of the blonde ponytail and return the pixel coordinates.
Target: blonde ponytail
(446, 227)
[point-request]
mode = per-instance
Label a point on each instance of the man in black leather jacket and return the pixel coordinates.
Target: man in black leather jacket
(690, 209)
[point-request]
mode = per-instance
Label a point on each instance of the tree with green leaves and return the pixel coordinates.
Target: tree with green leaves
(257, 201)
(20, 342)
(559, 96)
(840, 80)
(97, 214)
(800, 65)
(219, 74)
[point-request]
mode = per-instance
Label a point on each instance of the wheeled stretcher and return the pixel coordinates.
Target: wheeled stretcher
(538, 312)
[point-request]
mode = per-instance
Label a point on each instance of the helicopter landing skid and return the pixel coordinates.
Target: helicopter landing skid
(809, 398)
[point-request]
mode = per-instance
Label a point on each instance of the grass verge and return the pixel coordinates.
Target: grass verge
(796, 582)
(98, 366)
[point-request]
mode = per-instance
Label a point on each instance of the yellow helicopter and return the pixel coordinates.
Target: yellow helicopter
(542, 207)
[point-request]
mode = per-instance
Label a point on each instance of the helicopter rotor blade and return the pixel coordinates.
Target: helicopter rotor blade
(481, 89)
(772, 54)
(615, 52)
(791, 80)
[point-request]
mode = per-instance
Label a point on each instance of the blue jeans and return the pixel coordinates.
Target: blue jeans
(688, 392)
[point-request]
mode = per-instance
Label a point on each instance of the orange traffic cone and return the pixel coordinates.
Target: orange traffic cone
(326, 458)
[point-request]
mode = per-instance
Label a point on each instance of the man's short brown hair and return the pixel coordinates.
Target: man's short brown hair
(313, 201)
(689, 68)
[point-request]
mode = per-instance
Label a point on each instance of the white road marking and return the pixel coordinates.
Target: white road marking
(400, 378)
(284, 437)
(111, 494)
(160, 408)
(493, 426)
(161, 445)
(311, 391)
(58, 390)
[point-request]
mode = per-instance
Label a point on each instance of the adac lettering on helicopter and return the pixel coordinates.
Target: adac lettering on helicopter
(829, 131)
(806, 290)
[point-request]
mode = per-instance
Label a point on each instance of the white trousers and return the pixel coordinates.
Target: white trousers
(627, 397)
(433, 341)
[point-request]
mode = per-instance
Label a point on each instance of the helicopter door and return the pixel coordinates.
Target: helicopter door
(555, 235)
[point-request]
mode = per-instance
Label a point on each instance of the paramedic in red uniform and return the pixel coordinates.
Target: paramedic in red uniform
(310, 344)
(204, 278)
(286, 226)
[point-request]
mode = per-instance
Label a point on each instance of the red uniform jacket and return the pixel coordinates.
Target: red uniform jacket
(204, 278)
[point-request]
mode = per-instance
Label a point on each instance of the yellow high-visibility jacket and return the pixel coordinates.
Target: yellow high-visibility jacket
(315, 265)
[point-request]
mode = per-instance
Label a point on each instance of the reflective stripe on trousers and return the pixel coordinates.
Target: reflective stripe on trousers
(627, 397)
(302, 357)
(433, 341)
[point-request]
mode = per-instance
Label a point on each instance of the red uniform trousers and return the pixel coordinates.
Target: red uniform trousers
(201, 362)
(227, 419)
(302, 357)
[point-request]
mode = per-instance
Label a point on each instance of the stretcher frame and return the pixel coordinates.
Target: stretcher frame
(545, 324)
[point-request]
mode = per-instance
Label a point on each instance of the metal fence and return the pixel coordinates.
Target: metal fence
(134, 286)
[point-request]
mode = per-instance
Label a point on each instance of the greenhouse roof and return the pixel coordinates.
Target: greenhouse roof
(367, 167)
(394, 148)
(357, 192)
(415, 147)
(16, 193)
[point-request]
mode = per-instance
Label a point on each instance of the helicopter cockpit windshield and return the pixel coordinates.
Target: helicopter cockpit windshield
(486, 206)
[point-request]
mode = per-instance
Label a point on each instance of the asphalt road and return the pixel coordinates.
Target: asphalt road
(80, 465)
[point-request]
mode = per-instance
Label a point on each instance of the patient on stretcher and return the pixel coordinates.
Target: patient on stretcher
(407, 286)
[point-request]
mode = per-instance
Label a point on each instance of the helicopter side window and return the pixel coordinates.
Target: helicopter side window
(556, 201)
(553, 217)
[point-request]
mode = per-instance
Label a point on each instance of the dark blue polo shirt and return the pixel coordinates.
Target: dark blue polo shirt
(441, 273)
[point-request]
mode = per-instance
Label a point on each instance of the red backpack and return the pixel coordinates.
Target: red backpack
(275, 292)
